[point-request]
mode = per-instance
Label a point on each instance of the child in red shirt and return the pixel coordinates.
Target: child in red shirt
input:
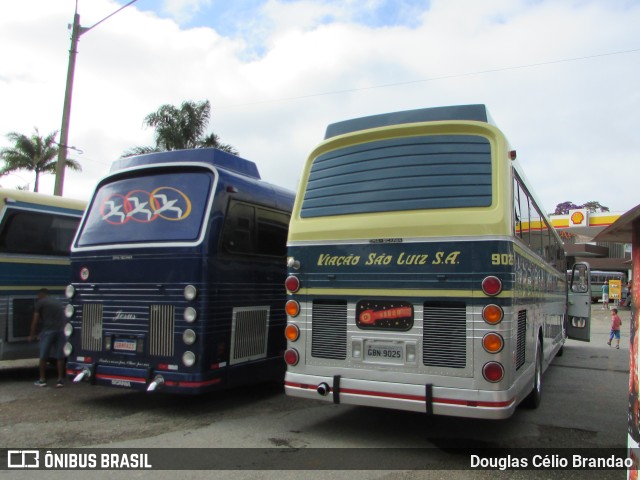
(616, 322)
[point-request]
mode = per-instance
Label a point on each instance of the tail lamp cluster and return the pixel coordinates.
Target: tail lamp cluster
(292, 308)
(492, 342)
(492, 314)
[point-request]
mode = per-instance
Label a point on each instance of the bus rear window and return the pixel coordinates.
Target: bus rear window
(36, 233)
(412, 173)
(166, 207)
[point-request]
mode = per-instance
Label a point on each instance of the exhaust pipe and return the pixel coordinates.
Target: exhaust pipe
(323, 389)
(157, 383)
(84, 374)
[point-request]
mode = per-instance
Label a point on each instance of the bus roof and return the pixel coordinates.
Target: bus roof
(212, 156)
(477, 113)
(8, 196)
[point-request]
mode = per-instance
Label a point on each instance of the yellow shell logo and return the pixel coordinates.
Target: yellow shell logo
(577, 218)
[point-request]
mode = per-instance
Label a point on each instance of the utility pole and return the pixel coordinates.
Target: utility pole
(76, 32)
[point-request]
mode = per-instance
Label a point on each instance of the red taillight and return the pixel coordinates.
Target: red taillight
(292, 283)
(491, 286)
(291, 357)
(493, 372)
(492, 314)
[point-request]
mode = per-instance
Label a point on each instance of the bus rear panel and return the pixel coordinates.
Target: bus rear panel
(415, 282)
(177, 276)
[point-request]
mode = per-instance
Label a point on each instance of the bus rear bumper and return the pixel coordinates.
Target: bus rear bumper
(143, 379)
(416, 398)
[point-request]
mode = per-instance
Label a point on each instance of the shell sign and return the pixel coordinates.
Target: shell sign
(578, 218)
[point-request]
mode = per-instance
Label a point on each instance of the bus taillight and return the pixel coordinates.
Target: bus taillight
(292, 308)
(493, 372)
(492, 342)
(292, 332)
(291, 357)
(492, 314)
(491, 286)
(292, 283)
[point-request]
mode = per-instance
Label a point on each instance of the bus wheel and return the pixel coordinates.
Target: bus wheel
(533, 399)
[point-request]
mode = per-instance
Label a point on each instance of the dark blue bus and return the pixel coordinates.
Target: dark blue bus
(177, 272)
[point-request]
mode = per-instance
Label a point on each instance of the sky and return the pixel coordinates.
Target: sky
(561, 78)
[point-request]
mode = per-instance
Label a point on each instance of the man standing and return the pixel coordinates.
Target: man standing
(49, 314)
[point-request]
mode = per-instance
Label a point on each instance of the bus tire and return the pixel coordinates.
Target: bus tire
(532, 400)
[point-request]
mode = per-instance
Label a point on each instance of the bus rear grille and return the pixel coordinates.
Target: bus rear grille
(249, 333)
(92, 327)
(521, 339)
(329, 329)
(445, 335)
(161, 327)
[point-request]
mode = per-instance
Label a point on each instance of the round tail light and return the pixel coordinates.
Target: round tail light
(492, 314)
(292, 332)
(491, 285)
(493, 342)
(493, 372)
(292, 283)
(292, 308)
(291, 357)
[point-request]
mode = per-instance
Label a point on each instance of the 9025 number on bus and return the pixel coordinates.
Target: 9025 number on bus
(501, 259)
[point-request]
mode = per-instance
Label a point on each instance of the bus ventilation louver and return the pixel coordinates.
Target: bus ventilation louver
(329, 329)
(445, 335)
(161, 328)
(249, 334)
(92, 327)
(521, 338)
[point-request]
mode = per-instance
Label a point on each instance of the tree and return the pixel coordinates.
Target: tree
(35, 153)
(181, 128)
(563, 208)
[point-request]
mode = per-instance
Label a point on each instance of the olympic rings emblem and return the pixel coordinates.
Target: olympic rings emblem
(144, 207)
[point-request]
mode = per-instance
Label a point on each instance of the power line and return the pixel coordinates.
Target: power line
(432, 79)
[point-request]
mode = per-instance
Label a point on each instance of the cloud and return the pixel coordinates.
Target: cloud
(280, 71)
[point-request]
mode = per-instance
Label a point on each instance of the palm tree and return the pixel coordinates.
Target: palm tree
(36, 153)
(181, 128)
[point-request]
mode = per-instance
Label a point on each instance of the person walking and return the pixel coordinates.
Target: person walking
(48, 314)
(616, 322)
(605, 296)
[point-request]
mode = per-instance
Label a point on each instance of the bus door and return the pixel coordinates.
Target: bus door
(579, 303)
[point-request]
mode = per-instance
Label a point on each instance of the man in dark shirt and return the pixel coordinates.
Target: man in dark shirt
(48, 313)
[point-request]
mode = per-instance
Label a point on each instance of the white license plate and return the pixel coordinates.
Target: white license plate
(384, 353)
(125, 345)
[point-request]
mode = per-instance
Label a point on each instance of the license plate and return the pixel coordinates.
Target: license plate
(384, 353)
(125, 345)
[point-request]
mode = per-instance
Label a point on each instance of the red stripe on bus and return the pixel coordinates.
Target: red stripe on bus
(204, 383)
(419, 398)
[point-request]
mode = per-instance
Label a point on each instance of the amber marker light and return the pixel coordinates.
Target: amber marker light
(492, 342)
(292, 332)
(492, 314)
(292, 308)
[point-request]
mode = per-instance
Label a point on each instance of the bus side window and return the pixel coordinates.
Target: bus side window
(579, 280)
(272, 233)
(37, 233)
(238, 231)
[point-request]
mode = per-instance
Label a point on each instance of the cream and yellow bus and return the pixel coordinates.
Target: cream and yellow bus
(36, 232)
(422, 273)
